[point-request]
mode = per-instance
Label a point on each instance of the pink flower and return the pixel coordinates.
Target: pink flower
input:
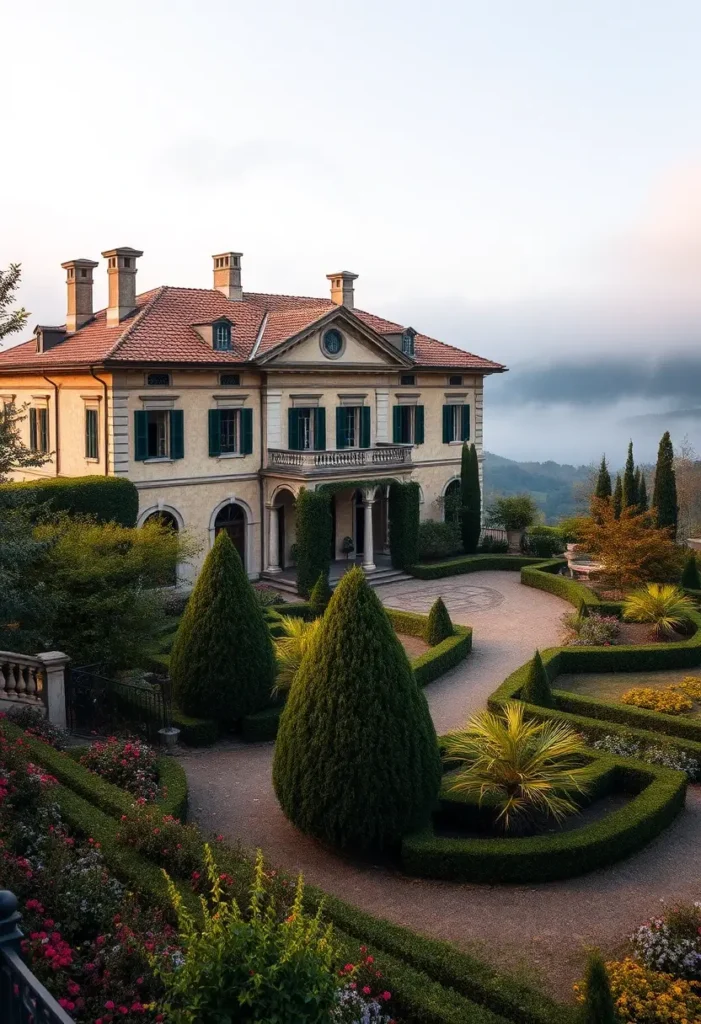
(386, 996)
(366, 990)
(109, 1005)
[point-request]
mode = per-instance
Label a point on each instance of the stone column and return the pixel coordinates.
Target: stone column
(55, 663)
(368, 554)
(273, 540)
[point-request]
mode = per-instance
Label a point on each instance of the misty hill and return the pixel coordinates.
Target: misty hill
(558, 489)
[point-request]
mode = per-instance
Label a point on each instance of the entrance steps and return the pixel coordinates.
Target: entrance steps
(287, 584)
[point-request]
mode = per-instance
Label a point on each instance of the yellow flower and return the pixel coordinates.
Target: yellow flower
(666, 701)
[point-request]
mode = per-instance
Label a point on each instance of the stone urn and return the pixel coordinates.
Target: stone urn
(514, 538)
(169, 736)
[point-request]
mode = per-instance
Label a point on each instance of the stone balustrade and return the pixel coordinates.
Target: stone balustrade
(37, 681)
(330, 460)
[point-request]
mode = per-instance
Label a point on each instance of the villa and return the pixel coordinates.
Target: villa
(220, 404)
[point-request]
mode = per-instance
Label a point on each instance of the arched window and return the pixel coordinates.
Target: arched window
(232, 518)
(164, 518)
(451, 502)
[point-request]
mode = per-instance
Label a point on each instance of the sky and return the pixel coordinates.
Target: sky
(520, 179)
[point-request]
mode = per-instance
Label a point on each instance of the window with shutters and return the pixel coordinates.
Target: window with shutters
(229, 431)
(39, 429)
(157, 434)
(408, 424)
(91, 424)
(351, 427)
(456, 423)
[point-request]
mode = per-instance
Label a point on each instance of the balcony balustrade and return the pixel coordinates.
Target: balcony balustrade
(331, 461)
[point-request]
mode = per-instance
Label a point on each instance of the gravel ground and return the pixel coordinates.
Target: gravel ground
(542, 929)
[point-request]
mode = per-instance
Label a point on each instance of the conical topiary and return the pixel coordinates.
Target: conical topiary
(320, 595)
(664, 495)
(536, 689)
(470, 499)
(439, 625)
(356, 759)
(222, 664)
(630, 482)
(599, 1007)
(603, 481)
(618, 497)
(690, 576)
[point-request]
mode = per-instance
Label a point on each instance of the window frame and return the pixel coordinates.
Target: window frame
(228, 383)
(324, 349)
(92, 436)
(164, 414)
(407, 380)
(455, 380)
(39, 429)
(217, 345)
(234, 415)
(158, 373)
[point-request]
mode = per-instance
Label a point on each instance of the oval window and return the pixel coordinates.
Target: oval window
(333, 342)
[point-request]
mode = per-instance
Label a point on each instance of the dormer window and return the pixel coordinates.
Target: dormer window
(408, 342)
(222, 336)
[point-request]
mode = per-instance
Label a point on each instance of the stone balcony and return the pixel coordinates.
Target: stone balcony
(332, 461)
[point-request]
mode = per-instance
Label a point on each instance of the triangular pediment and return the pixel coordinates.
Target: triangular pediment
(339, 338)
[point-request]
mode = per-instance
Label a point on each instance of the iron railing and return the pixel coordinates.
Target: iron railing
(23, 998)
(97, 703)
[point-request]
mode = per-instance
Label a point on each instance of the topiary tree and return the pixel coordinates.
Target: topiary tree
(321, 594)
(314, 528)
(664, 495)
(536, 689)
(690, 574)
(603, 481)
(222, 664)
(439, 625)
(470, 499)
(599, 1007)
(404, 524)
(618, 497)
(630, 488)
(356, 758)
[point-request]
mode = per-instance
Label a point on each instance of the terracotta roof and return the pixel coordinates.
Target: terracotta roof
(161, 330)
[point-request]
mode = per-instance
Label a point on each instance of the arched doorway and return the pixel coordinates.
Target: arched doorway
(451, 502)
(232, 518)
(164, 518)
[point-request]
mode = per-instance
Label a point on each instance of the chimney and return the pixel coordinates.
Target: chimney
(79, 287)
(342, 291)
(121, 279)
(227, 275)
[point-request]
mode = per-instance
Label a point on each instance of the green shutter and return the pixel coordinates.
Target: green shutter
(33, 429)
(320, 429)
(397, 424)
(465, 423)
(419, 425)
(44, 429)
(365, 426)
(246, 431)
(214, 432)
(340, 427)
(177, 438)
(447, 424)
(140, 435)
(293, 430)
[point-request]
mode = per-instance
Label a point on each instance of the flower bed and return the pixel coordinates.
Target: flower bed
(129, 764)
(666, 701)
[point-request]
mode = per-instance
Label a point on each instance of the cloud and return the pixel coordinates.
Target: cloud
(209, 161)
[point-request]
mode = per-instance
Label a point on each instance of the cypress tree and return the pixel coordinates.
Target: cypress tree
(618, 497)
(320, 595)
(630, 491)
(690, 576)
(664, 495)
(440, 626)
(356, 758)
(470, 499)
(599, 1007)
(603, 481)
(642, 494)
(314, 529)
(222, 664)
(536, 689)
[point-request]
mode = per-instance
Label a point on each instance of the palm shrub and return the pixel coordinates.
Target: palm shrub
(252, 967)
(664, 605)
(321, 594)
(222, 663)
(291, 648)
(536, 689)
(528, 770)
(690, 574)
(599, 1007)
(439, 626)
(356, 759)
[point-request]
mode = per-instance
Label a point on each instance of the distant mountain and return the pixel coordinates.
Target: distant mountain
(558, 489)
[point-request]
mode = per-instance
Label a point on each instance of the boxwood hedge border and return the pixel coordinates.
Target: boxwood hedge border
(470, 563)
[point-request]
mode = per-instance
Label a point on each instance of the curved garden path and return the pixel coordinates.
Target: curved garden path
(541, 928)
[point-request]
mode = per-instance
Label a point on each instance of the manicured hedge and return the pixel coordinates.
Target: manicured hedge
(261, 726)
(439, 659)
(195, 732)
(314, 528)
(404, 518)
(469, 563)
(660, 797)
(108, 498)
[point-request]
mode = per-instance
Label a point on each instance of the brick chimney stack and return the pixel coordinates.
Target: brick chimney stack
(121, 279)
(79, 293)
(227, 275)
(342, 290)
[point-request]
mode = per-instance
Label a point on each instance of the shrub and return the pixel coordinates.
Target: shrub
(626, 744)
(536, 689)
(129, 764)
(666, 701)
(438, 540)
(493, 546)
(515, 512)
(222, 662)
(163, 839)
(691, 580)
(109, 499)
(544, 545)
(630, 549)
(320, 595)
(404, 524)
(651, 997)
(313, 526)
(253, 968)
(470, 499)
(266, 597)
(589, 629)
(672, 943)
(355, 777)
(529, 770)
(690, 687)
(598, 1000)
(665, 606)
(36, 724)
(439, 626)
(290, 648)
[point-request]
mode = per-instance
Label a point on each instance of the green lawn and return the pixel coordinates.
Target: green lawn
(610, 685)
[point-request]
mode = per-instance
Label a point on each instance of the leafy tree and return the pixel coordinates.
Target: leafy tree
(664, 495)
(222, 663)
(618, 497)
(599, 1007)
(536, 689)
(630, 548)
(514, 512)
(690, 576)
(10, 320)
(356, 758)
(24, 607)
(14, 454)
(603, 481)
(643, 504)
(470, 499)
(321, 594)
(630, 490)
(440, 626)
